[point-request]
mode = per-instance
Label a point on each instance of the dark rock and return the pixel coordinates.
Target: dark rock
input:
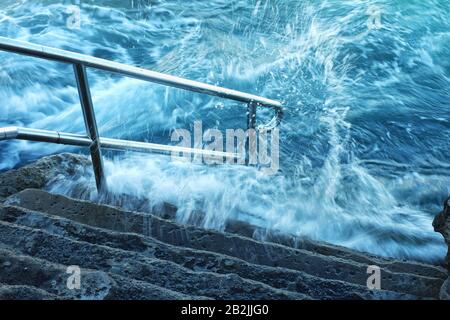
(326, 249)
(24, 273)
(445, 290)
(21, 292)
(252, 251)
(441, 224)
(39, 173)
(198, 260)
(60, 249)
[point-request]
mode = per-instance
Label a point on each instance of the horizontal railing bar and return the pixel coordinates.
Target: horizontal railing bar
(146, 147)
(60, 55)
(38, 135)
(57, 137)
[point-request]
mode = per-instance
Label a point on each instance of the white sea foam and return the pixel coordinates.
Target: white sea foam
(365, 136)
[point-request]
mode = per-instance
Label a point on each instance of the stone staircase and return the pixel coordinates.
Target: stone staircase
(140, 255)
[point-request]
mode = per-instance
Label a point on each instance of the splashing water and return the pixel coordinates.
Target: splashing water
(365, 85)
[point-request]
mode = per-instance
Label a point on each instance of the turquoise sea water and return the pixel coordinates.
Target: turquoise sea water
(366, 87)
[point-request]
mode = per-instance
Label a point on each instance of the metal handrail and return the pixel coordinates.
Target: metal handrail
(92, 139)
(73, 139)
(59, 55)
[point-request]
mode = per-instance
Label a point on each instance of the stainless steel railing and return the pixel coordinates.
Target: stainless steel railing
(92, 139)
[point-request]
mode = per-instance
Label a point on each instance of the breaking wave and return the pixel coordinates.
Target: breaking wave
(365, 84)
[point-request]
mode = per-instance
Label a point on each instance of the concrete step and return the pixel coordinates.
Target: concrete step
(22, 292)
(197, 260)
(166, 274)
(250, 250)
(326, 249)
(31, 277)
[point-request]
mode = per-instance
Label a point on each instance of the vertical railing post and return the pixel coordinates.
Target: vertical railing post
(251, 115)
(251, 125)
(91, 126)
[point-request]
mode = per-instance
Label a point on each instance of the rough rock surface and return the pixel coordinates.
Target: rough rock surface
(41, 279)
(146, 255)
(191, 259)
(445, 290)
(21, 292)
(441, 224)
(41, 172)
